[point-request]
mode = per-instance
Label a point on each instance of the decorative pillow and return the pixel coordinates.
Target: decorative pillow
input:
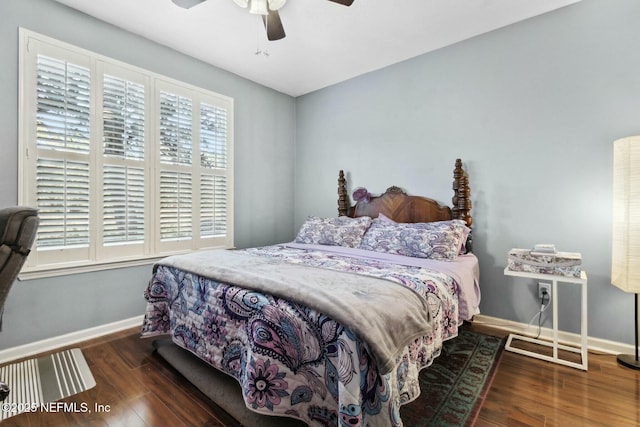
(441, 240)
(339, 231)
(382, 217)
(463, 250)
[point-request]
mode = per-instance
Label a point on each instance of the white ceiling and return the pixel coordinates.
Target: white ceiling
(326, 43)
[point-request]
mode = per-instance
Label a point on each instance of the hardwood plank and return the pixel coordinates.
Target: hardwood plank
(135, 351)
(532, 392)
(142, 390)
(176, 400)
(124, 416)
(22, 420)
(114, 369)
(155, 413)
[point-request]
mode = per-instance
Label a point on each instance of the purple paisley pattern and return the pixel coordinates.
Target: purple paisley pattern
(440, 240)
(290, 359)
(337, 231)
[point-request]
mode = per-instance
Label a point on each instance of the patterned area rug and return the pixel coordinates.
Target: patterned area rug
(454, 387)
(44, 380)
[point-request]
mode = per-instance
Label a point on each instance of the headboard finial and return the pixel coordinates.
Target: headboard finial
(343, 197)
(461, 195)
(395, 189)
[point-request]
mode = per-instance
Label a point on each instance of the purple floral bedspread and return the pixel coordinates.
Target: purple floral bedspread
(289, 359)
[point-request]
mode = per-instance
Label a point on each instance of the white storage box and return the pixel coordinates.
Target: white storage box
(558, 263)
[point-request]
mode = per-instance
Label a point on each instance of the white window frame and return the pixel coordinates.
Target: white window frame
(46, 262)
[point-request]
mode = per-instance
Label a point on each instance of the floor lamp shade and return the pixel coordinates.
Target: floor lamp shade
(625, 251)
(625, 255)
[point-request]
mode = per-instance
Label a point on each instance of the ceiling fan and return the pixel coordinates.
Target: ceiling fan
(267, 8)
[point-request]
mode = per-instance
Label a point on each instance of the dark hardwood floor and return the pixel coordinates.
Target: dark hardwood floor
(139, 389)
(532, 392)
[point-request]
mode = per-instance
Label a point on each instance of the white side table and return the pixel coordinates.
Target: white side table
(582, 349)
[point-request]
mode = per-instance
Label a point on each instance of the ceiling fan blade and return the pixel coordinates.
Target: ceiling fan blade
(187, 4)
(343, 2)
(273, 25)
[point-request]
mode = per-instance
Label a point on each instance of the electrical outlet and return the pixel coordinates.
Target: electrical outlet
(544, 288)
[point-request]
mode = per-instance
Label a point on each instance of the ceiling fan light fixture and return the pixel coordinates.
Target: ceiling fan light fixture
(187, 4)
(259, 7)
(276, 4)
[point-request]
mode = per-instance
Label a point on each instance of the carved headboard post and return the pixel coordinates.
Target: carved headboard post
(343, 198)
(464, 201)
(458, 173)
(462, 198)
(461, 195)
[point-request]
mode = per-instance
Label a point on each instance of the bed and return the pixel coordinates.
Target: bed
(333, 328)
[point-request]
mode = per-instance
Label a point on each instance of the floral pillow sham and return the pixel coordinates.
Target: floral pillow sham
(463, 249)
(339, 231)
(440, 240)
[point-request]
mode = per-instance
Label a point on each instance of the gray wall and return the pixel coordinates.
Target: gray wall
(532, 109)
(264, 168)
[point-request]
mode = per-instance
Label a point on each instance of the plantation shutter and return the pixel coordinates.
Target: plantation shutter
(63, 113)
(213, 182)
(123, 174)
(194, 164)
(124, 165)
(176, 170)
(123, 204)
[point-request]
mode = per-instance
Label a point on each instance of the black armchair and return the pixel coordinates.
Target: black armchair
(18, 226)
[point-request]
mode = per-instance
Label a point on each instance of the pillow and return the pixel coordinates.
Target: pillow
(463, 249)
(465, 235)
(384, 218)
(440, 240)
(339, 231)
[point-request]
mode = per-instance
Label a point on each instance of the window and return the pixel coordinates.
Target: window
(124, 165)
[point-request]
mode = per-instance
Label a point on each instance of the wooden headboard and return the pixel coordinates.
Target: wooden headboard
(400, 207)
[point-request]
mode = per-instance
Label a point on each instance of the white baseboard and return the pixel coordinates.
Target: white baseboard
(49, 344)
(26, 350)
(593, 344)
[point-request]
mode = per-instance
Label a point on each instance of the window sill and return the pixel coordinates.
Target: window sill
(69, 270)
